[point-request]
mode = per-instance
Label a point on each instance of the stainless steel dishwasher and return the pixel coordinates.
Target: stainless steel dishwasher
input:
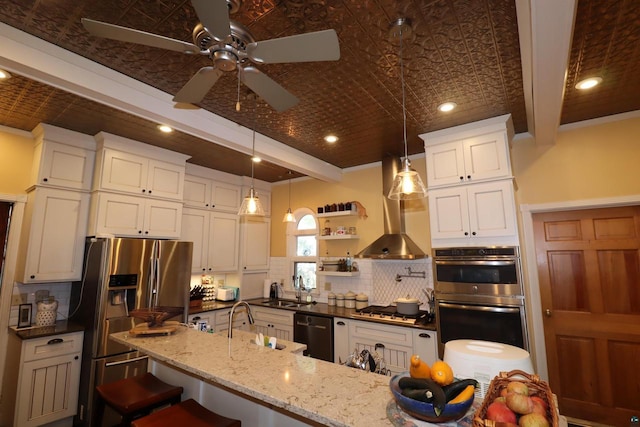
(317, 333)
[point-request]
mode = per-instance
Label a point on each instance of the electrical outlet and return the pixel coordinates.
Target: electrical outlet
(327, 286)
(17, 299)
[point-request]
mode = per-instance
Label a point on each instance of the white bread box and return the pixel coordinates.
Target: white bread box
(483, 360)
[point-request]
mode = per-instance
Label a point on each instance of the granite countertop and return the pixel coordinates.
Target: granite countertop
(61, 327)
(320, 309)
(322, 392)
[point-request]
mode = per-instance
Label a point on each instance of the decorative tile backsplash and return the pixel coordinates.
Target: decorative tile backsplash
(377, 279)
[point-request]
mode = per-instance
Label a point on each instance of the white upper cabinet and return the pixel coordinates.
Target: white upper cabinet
(62, 158)
(256, 233)
(52, 241)
(206, 193)
(129, 216)
(470, 213)
(469, 153)
(215, 237)
(131, 167)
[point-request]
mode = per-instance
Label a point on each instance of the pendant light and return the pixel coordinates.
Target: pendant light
(407, 183)
(288, 217)
(251, 205)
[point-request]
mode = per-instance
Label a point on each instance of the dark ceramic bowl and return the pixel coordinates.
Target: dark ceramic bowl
(424, 411)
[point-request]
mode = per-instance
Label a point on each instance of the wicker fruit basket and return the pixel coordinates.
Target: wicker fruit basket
(155, 316)
(537, 387)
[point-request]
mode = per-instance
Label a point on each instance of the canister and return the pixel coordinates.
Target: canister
(350, 300)
(362, 301)
(47, 312)
(331, 299)
(340, 300)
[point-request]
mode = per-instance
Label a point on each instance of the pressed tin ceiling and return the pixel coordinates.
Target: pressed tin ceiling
(466, 51)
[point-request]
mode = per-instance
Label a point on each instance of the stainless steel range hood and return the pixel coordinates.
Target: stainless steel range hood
(394, 243)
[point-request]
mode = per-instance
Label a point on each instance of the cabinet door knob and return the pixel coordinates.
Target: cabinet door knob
(144, 191)
(76, 358)
(46, 179)
(473, 234)
(462, 178)
(32, 277)
(468, 176)
(146, 232)
(139, 231)
(466, 233)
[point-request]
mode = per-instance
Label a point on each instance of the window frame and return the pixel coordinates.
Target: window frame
(292, 234)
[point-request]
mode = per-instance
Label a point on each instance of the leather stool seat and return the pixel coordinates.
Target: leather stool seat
(188, 413)
(136, 396)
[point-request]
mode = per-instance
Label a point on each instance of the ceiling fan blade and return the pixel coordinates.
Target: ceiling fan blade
(199, 85)
(124, 34)
(214, 16)
(266, 88)
(309, 47)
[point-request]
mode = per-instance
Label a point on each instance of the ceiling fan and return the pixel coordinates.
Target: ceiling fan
(230, 46)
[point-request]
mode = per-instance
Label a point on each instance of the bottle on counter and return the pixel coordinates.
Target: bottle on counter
(349, 262)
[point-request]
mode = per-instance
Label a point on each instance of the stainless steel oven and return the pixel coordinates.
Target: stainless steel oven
(479, 295)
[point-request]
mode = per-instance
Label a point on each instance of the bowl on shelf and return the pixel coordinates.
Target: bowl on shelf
(424, 411)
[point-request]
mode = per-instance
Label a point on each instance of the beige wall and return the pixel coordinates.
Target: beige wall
(588, 163)
(16, 153)
(363, 185)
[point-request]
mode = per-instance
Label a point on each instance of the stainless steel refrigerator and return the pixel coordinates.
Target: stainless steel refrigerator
(121, 275)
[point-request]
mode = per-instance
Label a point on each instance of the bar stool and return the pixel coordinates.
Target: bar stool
(188, 413)
(134, 397)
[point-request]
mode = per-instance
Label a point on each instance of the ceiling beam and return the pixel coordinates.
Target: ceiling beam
(47, 63)
(545, 29)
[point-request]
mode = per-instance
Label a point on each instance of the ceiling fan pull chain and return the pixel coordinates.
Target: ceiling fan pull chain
(238, 102)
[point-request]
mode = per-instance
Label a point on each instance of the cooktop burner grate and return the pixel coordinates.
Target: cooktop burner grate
(388, 313)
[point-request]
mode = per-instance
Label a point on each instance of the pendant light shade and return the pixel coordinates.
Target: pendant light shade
(407, 183)
(251, 205)
(288, 217)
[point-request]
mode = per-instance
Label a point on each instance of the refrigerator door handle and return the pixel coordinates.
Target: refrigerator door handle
(122, 362)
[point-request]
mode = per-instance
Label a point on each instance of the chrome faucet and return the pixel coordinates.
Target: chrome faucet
(299, 288)
(249, 315)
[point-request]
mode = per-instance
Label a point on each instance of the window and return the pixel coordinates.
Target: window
(304, 248)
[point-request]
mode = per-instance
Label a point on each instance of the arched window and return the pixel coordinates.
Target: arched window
(302, 247)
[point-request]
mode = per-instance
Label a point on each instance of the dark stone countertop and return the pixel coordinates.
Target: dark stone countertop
(61, 327)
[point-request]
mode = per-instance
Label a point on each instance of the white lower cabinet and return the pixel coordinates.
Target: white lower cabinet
(131, 216)
(273, 322)
(215, 237)
(42, 378)
(53, 233)
(240, 319)
(395, 344)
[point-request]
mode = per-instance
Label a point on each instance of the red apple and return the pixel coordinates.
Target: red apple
(498, 411)
(533, 420)
(540, 401)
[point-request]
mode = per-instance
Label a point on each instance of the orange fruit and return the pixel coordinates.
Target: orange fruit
(418, 368)
(442, 373)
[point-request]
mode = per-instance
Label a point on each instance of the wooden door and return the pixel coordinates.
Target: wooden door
(589, 271)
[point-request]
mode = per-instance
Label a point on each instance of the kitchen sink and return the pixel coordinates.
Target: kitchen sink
(284, 303)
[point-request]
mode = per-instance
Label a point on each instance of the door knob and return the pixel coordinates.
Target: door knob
(547, 312)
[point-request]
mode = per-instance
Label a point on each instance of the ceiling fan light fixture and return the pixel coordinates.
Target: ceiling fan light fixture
(407, 183)
(446, 107)
(589, 83)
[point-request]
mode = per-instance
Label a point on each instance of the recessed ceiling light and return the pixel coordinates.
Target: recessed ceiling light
(256, 159)
(165, 128)
(589, 83)
(447, 106)
(331, 139)
(4, 75)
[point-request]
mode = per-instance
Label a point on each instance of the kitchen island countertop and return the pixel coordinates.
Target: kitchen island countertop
(321, 392)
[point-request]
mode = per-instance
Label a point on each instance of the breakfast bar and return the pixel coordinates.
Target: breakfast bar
(310, 391)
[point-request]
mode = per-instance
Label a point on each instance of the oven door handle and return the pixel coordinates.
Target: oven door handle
(122, 362)
(492, 309)
(477, 262)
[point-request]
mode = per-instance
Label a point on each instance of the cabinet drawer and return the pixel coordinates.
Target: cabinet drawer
(52, 346)
(273, 315)
(381, 333)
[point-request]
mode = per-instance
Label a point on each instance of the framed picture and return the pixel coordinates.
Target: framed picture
(24, 315)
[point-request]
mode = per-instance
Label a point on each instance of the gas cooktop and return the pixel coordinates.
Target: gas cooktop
(389, 314)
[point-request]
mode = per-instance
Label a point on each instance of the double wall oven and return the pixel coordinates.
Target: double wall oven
(479, 295)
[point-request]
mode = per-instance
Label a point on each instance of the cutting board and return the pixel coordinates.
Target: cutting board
(143, 329)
